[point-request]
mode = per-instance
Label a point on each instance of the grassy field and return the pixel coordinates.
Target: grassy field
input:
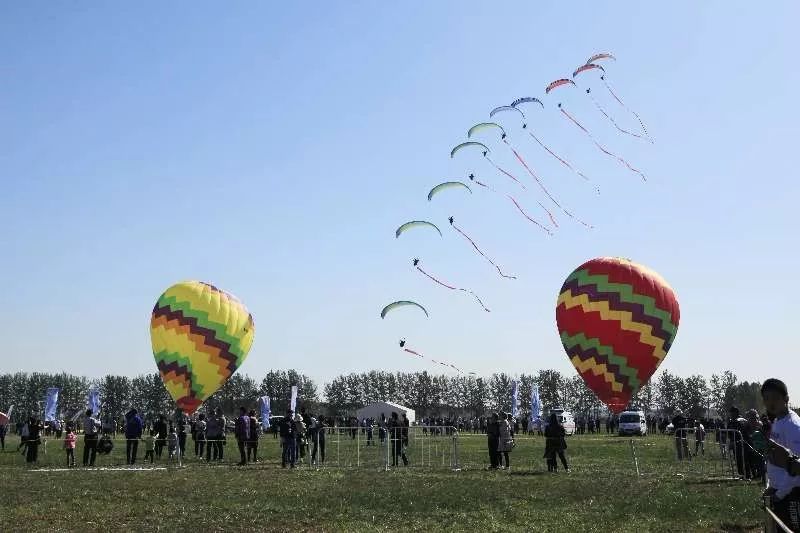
(601, 493)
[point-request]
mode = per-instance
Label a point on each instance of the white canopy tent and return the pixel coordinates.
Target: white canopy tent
(375, 410)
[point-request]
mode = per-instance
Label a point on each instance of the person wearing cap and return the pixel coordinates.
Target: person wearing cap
(300, 430)
(783, 481)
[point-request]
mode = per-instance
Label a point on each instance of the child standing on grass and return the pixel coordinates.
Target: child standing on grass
(69, 445)
(150, 447)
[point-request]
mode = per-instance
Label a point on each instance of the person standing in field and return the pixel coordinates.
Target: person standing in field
(181, 422)
(91, 425)
(396, 436)
(252, 442)
(133, 432)
(681, 436)
(242, 434)
(506, 441)
(493, 439)
(699, 439)
(216, 436)
(757, 450)
(318, 441)
(162, 432)
(300, 432)
(34, 439)
(200, 436)
(150, 446)
(3, 430)
(287, 440)
(555, 444)
(783, 483)
(69, 446)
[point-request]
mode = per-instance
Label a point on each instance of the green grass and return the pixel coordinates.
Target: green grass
(602, 493)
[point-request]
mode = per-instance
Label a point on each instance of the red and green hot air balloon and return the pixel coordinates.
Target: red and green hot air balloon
(617, 321)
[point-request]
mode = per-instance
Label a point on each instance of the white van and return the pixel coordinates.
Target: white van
(566, 419)
(632, 423)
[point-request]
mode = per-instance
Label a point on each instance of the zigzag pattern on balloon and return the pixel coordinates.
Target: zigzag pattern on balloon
(200, 337)
(597, 368)
(204, 320)
(627, 294)
(204, 339)
(616, 303)
(584, 348)
(180, 376)
(625, 319)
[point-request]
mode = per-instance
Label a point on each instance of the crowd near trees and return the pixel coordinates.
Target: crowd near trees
(428, 394)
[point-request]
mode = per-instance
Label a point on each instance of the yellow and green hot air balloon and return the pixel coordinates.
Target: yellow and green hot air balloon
(200, 336)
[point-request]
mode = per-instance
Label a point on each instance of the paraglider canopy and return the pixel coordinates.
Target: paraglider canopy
(402, 303)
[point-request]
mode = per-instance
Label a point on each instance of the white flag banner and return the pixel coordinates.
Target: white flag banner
(293, 404)
(514, 398)
(536, 408)
(266, 411)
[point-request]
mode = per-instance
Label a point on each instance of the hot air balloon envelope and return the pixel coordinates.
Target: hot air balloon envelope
(200, 336)
(617, 321)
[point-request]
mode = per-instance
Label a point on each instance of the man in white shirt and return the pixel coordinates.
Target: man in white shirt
(783, 484)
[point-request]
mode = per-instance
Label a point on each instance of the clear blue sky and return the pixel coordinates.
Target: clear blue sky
(272, 149)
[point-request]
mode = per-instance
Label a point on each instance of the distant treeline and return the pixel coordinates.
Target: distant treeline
(426, 393)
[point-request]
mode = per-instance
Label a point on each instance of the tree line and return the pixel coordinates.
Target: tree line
(428, 394)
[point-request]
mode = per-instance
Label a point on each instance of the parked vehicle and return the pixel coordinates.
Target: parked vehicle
(632, 423)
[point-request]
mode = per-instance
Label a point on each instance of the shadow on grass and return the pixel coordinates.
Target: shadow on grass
(526, 474)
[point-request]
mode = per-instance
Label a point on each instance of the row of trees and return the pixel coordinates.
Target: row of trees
(694, 395)
(424, 392)
(26, 392)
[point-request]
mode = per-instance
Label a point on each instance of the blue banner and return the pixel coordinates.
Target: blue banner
(266, 412)
(514, 398)
(93, 401)
(536, 408)
(51, 404)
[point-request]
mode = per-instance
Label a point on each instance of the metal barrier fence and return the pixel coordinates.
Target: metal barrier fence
(379, 447)
(718, 453)
(431, 447)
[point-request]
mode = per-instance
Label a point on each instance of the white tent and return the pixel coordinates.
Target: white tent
(375, 410)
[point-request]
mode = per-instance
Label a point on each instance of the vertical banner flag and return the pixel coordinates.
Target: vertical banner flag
(293, 405)
(514, 398)
(93, 401)
(536, 408)
(266, 412)
(51, 404)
